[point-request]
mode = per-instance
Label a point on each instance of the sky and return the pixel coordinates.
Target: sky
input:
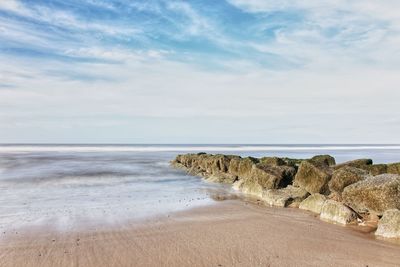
(210, 71)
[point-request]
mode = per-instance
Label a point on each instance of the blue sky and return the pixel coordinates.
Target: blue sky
(231, 71)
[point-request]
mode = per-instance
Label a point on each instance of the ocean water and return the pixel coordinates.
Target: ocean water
(65, 185)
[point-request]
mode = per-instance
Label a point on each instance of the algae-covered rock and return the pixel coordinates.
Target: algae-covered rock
(293, 162)
(346, 176)
(374, 194)
(313, 203)
(389, 224)
(285, 196)
(241, 167)
(274, 161)
(323, 160)
(264, 176)
(334, 211)
(272, 176)
(358, 163)
(312, 177)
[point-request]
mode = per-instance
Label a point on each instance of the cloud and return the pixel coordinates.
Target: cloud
(168, 71)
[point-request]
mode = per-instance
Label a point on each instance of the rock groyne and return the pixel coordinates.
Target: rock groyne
(354, 192)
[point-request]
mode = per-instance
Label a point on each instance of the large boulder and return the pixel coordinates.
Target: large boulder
(323, 160)
(389, 224)
(334, 211)
(344, 177)
(313, 203)
(264, 177)
(284, 197)
(312, 177)
(242, 167)
(214, 164)
(374, 194)
(358, 163)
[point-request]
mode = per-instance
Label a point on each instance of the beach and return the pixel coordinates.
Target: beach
(63, 205)
(229, 233)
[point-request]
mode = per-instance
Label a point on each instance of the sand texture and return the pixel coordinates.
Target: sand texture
(230, 233)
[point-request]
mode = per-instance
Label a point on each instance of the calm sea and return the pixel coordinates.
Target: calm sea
(68, 184)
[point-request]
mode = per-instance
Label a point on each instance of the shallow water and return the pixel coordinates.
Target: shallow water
(68, 184)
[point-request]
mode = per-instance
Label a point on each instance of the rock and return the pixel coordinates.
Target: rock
(271, 177)
(213, 167)
(313, 203)
(221, 177)
(335, 196)
(241, 167)
(334, 211)
(374, 194)
(344, 177)
(358, 163)
(323, 160)
(312, 177)
(393, 168)
(285, 196)
(264, 177)
(214, 164)
(293, 162)
(389, 224)
(274, 161)
(376, 169)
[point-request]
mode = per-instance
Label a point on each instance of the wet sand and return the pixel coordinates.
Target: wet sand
(230, 233)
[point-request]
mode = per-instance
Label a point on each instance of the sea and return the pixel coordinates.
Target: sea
(64, 185)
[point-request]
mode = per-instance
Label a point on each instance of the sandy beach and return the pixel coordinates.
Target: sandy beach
(229, 233)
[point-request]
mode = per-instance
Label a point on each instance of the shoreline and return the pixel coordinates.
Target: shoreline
(229, 233)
